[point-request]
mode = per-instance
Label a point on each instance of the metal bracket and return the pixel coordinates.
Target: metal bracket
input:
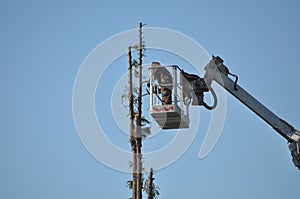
(210, 71)
(295, 152)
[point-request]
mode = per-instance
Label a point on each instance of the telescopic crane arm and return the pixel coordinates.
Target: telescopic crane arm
(217, 71)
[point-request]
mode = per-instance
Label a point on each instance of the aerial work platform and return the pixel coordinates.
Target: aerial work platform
(174, 114)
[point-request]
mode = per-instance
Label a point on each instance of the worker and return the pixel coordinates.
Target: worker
(164, 79)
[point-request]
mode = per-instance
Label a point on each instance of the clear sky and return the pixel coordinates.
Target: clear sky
(44, 43)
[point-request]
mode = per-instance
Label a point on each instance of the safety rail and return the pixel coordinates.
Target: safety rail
(175, 114)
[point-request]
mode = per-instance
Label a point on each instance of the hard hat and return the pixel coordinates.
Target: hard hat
(155, 63)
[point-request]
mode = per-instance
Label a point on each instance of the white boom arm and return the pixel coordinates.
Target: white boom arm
(217, 71)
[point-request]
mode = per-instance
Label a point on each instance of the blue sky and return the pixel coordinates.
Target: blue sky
(43, 44)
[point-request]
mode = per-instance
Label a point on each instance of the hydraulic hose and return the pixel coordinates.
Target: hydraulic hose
(215, 100)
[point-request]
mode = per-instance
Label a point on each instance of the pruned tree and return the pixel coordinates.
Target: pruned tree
(139, 124)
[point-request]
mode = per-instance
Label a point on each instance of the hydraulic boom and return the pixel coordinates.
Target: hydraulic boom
(217, 71)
